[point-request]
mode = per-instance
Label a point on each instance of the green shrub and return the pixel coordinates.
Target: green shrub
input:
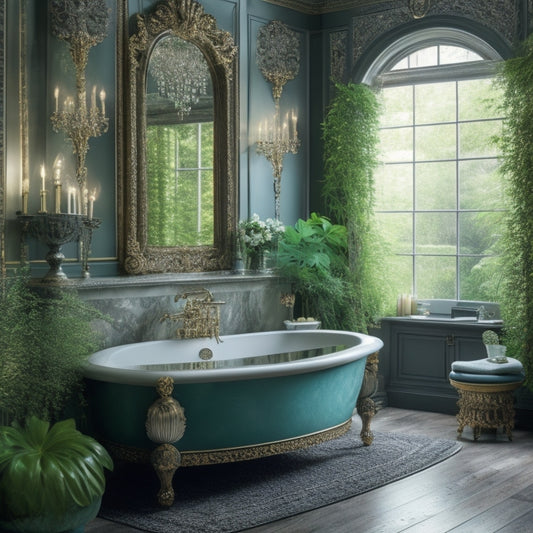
(45, 338)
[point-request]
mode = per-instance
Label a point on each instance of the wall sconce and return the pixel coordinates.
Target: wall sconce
(82, 25)
(277, 138)
(278, 58)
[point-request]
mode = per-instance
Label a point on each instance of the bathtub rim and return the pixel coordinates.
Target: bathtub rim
(130, 376)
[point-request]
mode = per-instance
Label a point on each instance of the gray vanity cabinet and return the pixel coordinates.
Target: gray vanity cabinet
(417, 357)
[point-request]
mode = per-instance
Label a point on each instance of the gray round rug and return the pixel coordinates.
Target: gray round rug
(232, 497)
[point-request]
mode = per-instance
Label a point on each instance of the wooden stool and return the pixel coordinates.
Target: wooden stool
(485, 401)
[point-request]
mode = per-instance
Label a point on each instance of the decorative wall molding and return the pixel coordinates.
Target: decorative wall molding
(278, 55)
(502, 16)
(338, 47)
(318, 7)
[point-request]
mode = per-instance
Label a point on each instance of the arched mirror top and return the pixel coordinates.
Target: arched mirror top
(183, 25)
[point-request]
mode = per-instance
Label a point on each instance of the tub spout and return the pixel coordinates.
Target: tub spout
(200, 316)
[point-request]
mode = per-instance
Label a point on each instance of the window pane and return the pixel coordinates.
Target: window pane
(402, 64)
(424, 58)
(478, 99)
(400, 274)
(435, 277)
(435, 142)
(394, 187)
(435, 102)
(397, 231)
(397, 144)
(207, 144)
(188, 145)
(435, 185)
(480, 185)
(456, 54)
(480, 278)
(397, 107)
(476, 138)
(435, 233)
(479, 232)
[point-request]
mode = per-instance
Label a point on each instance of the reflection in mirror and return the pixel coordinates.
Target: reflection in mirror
(179, 188)
(179, 145)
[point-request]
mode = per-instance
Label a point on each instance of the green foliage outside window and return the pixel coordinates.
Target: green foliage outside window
(180, 184)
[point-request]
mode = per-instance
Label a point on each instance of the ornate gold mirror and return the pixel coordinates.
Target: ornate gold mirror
(180, 184)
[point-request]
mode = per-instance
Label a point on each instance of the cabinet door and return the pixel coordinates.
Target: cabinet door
(469, 346)
(422, 357)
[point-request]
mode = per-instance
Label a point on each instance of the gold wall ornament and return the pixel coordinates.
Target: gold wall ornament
(278, 59)
(419, 8)
(82, 24)
(278, 55)
(187, 20)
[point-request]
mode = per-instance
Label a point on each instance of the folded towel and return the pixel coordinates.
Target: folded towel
(484, 366)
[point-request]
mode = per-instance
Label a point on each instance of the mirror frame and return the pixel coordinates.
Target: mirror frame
(185, 19)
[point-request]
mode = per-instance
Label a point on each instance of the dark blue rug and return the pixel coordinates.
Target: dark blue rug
(232, 497)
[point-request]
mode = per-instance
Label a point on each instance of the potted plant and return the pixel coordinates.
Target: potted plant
(495, 350)
(51, 478)
(257, 241)
(312, 256)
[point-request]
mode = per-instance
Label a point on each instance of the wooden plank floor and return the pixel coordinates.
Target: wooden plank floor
(486, 487)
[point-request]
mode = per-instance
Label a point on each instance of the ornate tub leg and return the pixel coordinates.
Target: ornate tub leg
(165, 424)
(366, 407)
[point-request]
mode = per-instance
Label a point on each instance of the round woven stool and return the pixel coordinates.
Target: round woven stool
(486, 401)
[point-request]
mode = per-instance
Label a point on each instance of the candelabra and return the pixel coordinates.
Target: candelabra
(82, 26)
(279, 138)
(80, 124)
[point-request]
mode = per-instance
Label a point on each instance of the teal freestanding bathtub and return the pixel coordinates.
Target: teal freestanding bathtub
(248, 396)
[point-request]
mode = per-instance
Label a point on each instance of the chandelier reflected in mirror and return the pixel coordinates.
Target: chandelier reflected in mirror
(180, 72)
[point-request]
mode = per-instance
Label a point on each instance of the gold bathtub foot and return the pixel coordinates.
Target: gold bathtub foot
(165, 424)
(366, 407)
(165, 459)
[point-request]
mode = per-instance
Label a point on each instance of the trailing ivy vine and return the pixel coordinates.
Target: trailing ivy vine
(350, 135)
(517, 169)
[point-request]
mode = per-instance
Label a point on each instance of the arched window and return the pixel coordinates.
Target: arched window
(439, 199)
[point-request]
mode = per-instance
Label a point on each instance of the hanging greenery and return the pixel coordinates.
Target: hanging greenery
(517, 168)
(350, 135)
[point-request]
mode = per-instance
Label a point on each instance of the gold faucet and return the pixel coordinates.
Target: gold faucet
(200, 316)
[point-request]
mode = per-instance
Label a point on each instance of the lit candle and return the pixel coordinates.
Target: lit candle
(102, 100)
(43, 177)
(92, 198)
(56, 96)
(294, 127)
(93, 98)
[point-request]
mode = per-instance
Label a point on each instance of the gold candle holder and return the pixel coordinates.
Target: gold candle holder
(43, 201)
(58, 198)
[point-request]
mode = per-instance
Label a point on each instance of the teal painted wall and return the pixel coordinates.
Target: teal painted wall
(49, 65)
